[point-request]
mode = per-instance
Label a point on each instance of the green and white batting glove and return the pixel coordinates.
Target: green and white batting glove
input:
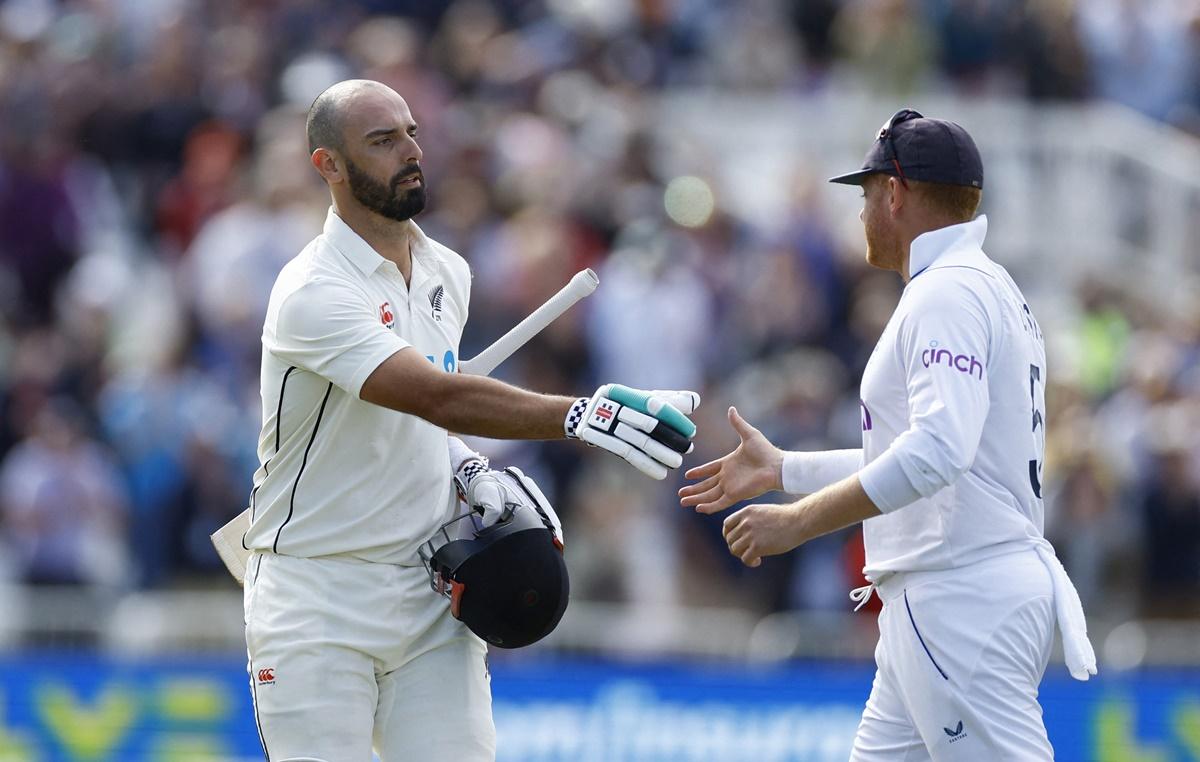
(646, 428)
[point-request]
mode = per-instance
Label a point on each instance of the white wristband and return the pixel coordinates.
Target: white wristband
(460, 453)
(807, 472)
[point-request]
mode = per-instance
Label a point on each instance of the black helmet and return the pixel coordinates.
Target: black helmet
(507, 582)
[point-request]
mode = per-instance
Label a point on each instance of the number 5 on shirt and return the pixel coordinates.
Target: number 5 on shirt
(1039, 431)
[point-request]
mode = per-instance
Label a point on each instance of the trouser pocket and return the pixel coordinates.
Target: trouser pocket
(912, 620)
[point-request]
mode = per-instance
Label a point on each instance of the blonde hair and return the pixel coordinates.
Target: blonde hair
(958, 202)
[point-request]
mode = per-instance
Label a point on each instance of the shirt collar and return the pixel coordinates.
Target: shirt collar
(365, 258)
(930, 247)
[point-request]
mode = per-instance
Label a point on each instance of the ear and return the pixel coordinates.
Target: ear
(327, 165)
(897, 195)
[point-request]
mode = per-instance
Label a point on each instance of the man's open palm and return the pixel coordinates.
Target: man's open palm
(750, 470)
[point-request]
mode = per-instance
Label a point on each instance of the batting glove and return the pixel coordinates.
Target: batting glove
(494, 495)
(646, 428)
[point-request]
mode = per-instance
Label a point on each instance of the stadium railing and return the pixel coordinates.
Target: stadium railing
(1071, 190)
(211, 622)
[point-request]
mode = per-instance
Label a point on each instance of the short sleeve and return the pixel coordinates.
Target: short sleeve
(329, 328)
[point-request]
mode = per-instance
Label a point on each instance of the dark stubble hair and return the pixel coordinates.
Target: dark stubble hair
(388, 200)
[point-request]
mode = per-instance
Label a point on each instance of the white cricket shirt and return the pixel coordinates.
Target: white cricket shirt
(953, 407)
(339, 475)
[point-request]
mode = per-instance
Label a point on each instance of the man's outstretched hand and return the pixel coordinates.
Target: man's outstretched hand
(755, 467)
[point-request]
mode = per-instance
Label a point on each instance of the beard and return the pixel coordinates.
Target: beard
(387, 200)
(883, 247)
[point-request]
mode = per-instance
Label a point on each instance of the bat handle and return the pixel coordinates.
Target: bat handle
(587, 279)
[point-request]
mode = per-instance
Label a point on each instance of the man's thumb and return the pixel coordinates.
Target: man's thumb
(744, 430)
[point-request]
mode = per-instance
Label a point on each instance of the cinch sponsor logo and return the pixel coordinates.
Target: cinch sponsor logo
(936, 355)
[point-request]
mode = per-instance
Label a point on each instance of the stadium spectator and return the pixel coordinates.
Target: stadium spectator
(62, 504)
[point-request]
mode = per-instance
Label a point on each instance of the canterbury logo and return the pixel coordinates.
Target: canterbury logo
(435, 300)
(266, 676)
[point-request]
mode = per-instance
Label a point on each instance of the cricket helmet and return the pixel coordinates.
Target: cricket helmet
(506, 582)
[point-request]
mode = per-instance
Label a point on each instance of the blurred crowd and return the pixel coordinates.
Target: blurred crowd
(154, 179)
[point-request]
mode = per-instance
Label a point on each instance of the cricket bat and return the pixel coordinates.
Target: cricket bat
(228, 539)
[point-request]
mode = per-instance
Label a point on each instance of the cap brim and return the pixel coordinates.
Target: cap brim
(854, 178)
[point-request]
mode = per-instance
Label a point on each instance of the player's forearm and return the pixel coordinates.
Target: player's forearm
(464, 403)
(837, 506)
(481, 406)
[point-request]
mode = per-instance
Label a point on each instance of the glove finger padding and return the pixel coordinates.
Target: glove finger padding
(671, 438)
(639, 421)
(489, 497)
(682, 399)
(638, 459)
(646, 402)
(646, 444)
(658, 431)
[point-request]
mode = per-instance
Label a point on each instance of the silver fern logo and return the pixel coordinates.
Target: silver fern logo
(435, 300)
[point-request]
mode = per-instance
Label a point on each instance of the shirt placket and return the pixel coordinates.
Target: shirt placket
(396, 289)
(415, 281)
(421, 278)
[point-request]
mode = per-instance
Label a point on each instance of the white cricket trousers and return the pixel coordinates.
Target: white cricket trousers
(346, 655)
(960, 656)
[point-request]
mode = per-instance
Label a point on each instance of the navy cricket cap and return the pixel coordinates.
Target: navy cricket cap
(914, 147)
